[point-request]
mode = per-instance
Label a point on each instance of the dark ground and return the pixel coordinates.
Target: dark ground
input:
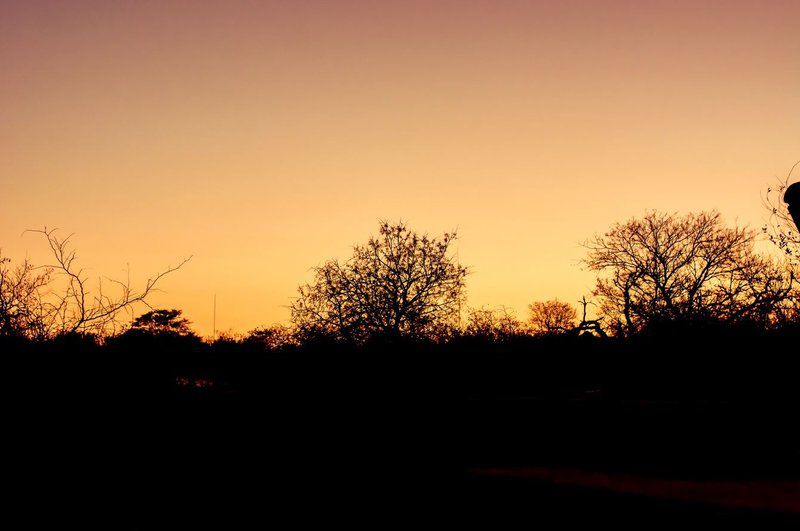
(151, 439)
(197, 464)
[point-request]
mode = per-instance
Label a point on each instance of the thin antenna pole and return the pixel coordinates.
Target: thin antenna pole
(214, 326)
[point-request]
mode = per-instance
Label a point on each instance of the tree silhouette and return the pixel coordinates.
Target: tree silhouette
(590, 326)
(39, 302)
(272, 337)
(22, 312)
(400, 283)
(496, 324)
(162, 322)
(551, 317)
(783, 228)
(683, 267)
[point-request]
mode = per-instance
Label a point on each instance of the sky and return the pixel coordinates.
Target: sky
(263, 138)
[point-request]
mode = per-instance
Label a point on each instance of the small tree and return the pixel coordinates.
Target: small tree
(491, 324)
(22, 311)
(162, 322)
(400, 283)
(551, 317)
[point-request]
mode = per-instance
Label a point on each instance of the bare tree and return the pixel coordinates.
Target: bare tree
(495, 324)
(551, 317)
(783, 226)
(666, 266)
(40, 302)
(399, 283)
(591, 326)
(22, 311)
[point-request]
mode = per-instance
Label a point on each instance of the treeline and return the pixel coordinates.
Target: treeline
(691, 364)
(671, 360)
(403, 284)
(687, 309)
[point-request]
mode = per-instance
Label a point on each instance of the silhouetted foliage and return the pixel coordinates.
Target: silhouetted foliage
(552, 317)
(496, 325)
(783, 228)
(47, 301)
(165, 411)
(411, 401)
(400, 283)
(589, 326)
(272, 338)
(22, 311)
(162, 322)
(665, 267)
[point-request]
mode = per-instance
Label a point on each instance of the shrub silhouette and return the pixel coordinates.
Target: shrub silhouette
(552, 317)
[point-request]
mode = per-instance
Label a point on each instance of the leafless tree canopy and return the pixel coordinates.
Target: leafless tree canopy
(21, 299)
(399, 283)
(781, 228)
(680, 267)
(552, 317)
(495, 324)
(44, 301)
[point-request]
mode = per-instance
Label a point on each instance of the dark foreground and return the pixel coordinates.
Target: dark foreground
(224, 465)
(149, 440)
(505, 502)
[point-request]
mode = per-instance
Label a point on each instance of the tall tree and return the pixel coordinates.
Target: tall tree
(400, 283)
(665, 266)
(783, 228)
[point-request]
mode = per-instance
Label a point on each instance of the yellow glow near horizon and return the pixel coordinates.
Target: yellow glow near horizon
(265, 138)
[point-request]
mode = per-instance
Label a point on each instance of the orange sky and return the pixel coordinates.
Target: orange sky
(265, 137)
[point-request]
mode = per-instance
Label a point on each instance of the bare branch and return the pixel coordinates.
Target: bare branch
(51, 308)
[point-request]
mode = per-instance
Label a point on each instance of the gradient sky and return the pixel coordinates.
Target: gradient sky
(265, 137)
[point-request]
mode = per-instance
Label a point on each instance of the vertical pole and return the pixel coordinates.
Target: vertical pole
(214, 325)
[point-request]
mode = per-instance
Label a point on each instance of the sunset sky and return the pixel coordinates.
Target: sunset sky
(265, 137)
